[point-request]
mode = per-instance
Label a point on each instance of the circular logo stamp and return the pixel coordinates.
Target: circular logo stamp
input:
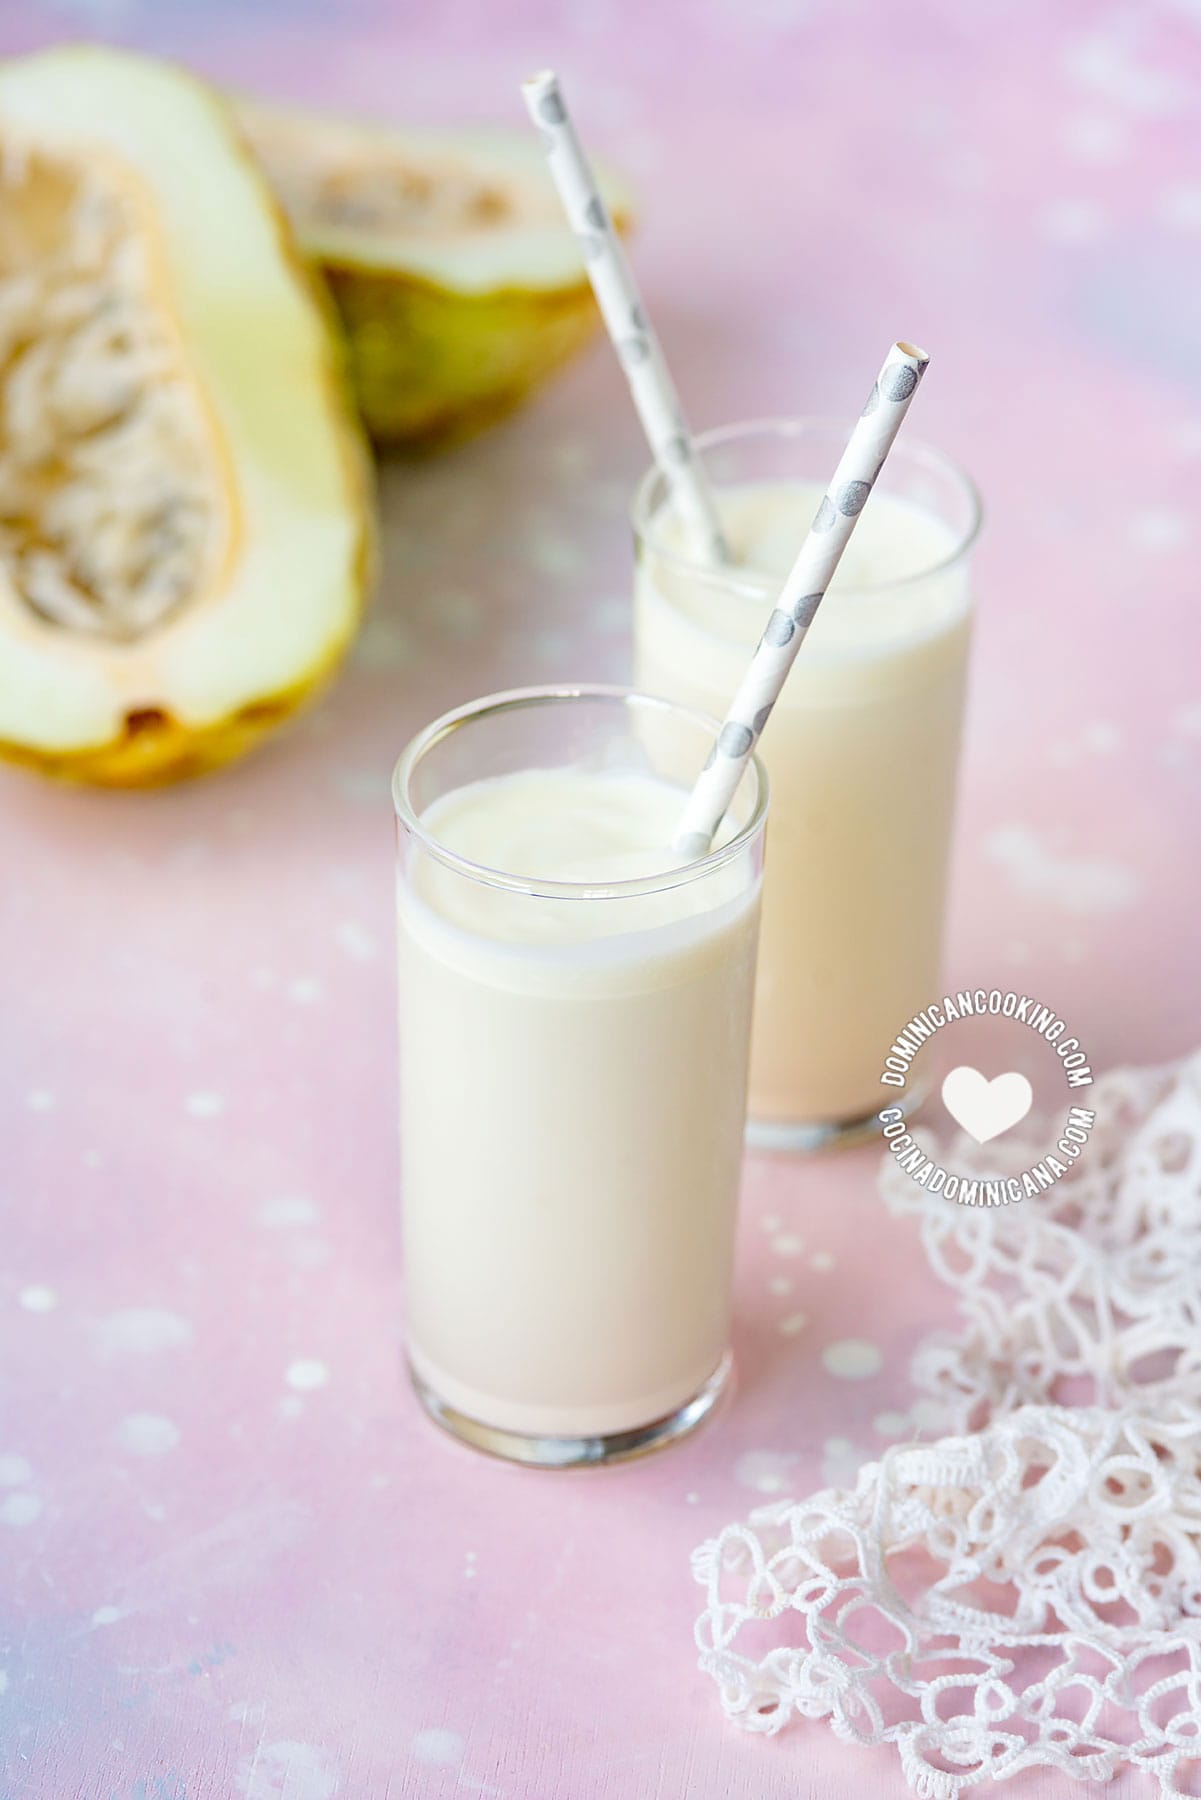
(985, 1106)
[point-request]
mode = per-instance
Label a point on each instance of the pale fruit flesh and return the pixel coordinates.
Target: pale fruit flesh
(185, 529)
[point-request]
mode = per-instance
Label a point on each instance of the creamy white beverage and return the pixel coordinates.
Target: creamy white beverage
(573, 1077)
(861, 753)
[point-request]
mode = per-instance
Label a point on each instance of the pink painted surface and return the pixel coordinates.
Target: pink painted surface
(234, 1561)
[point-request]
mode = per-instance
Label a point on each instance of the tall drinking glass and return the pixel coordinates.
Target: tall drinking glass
(861, 748)
(574, 1028)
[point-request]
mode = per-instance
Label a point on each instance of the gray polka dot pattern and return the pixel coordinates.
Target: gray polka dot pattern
(824, 516)
(551, 109)
(778, 630)
(872, 401)
(634, 350)
(591, 247)
(852, 496)
(711, 758)
(735, 740)
(677, 450)
(594, 213)
(804, 608)
(638, 321)
(761, 717)
(899, 382)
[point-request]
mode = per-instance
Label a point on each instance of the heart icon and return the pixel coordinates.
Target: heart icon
(986, 1108)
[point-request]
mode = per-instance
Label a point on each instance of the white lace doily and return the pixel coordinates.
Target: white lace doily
(1089, 1293)
(1027, 1595)
(1030, 1594)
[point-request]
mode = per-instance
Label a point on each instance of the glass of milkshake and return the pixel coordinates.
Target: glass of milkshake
(861, 749)
(575, 1014)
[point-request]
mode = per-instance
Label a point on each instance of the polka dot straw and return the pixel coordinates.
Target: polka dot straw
(801, 596)
(634, 339)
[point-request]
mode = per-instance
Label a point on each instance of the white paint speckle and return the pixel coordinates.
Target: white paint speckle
(248, 1712)
(286, 1212)
(310, 1253)
(371, 787)
(457, 613)
(928, 1414)
(147, 1434)
(841, 1461)
(1180, 208)
(770, 1222)
(549, 645)
(1079, 884)
(306, 1374)
(287, 1770)
(205, 1104)
(14, 1471)
(20, 1509)
(91, 1159)
(1157, 530)
(786, 1243)
(384, 644)
(1072, 221)
(142, 1331)
(767, 1471)
(780, 1284)
(692, 1499)
(1096, 138)
(37, 1299)
(291, 1407)
(1105, 61)
(852, 1359)
(1101, 738)
(436, 1745)
(822, 1261)
(793, 1324)
(891, 1424)
(1187, 719)
(106, 1615)
(40, 1100)
(355, 941)
(304, 990)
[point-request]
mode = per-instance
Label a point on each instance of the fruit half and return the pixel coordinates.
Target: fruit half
(185, 526)
(459, 283)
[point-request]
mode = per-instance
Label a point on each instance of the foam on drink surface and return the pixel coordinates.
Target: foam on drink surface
(587, 829)
(895, 542)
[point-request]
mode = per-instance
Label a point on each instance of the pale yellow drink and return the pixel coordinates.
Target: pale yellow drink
(573, 1076)
(861, 752)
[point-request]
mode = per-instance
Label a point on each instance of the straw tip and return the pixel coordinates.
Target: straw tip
(542, 82)
(914, 350)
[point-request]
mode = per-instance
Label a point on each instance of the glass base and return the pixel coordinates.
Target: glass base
(805, 1137)
(577, 1452)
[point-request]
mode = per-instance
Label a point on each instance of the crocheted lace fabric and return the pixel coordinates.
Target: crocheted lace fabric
(1027, 1591)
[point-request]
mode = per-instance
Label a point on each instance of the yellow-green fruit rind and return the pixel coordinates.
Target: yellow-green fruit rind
(429, 365)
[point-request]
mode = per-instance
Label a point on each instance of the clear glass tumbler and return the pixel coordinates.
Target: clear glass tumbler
(573, 1080)
(861, 749)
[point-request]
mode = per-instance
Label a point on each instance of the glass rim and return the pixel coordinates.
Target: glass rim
(514, 699)
(805, 425)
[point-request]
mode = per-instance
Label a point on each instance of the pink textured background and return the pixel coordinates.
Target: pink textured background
(217, 1583)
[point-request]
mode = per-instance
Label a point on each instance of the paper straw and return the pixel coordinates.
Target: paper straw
(626, 320)
(801, 596)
